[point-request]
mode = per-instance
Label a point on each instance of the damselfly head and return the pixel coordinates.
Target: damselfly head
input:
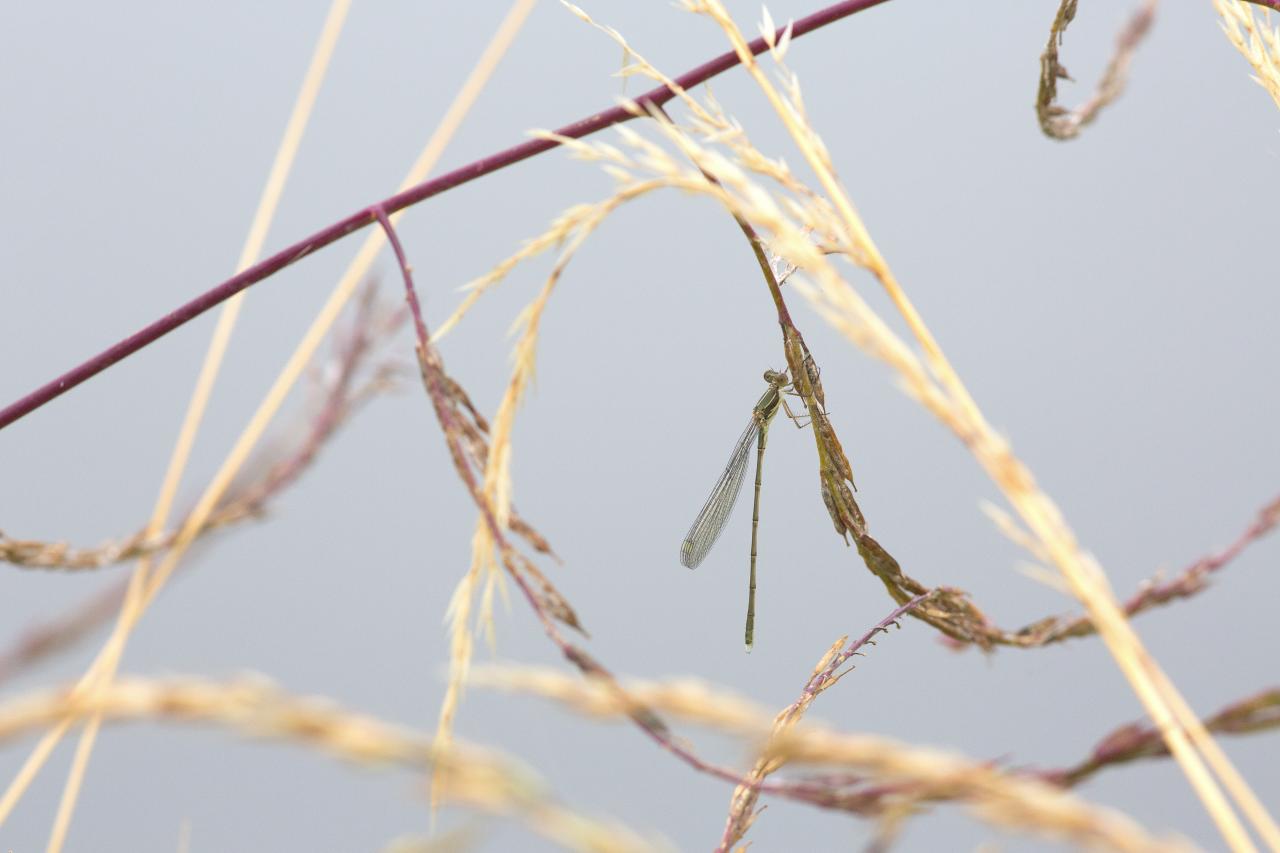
(777, 378)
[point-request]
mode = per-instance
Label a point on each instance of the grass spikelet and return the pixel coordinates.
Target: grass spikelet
(688, 699)
(1258, 41)
(997, 797)
(938, 387)
(571, 229)
(1021, 804)
(461, 645)
(742, 813)
(799, 230)
(254, 707)
(1188, 741)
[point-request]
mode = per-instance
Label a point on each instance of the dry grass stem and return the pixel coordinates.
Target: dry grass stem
(338, 397)
(569, 231)
(452, 408)
(742, 804)
(254, 707)
(1257, 39)
(145, 586)
(1059, 122)
(790, 221)
(742, 813)
(267, 204)
(1189, 743)
(1153, 592)
(251, 705)
(959, 619)
(688, 699)
(274, 470)
(996, 797)
(451, 841)
(1002, 799)
(1135, 741)
(796, 232)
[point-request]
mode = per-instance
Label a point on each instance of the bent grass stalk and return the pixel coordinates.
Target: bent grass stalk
(1189, 743)
(937, 387)
(413, 192)
(108, 657)
(203, 389)
(803, 379)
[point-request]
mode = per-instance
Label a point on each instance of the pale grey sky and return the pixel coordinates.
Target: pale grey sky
(1111, 302)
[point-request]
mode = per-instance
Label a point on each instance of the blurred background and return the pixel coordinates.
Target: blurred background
(1110, 302)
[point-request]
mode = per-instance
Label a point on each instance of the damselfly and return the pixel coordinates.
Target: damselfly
(715, 512)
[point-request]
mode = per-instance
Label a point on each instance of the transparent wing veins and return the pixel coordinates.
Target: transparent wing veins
(715, 512)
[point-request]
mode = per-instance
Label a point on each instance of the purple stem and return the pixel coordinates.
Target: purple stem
(1191, 580)
(646, 720)
(808, 792)
(821, 680)
(413, 195)
(432, 372)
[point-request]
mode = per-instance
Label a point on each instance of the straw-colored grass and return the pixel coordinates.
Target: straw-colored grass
(1004, 800)
(814, 230)
(252, 706)
(1257, 39)
(147, 582)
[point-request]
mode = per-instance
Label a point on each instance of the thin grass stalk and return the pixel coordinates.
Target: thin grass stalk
(494, 498)
(999, 798)
(1258, 43)
(824, 675)
(302, 355)
(268, 203)
(411, 193)
(253, 707)
(1156, 693)
(1151, 593)
(1058, 122)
